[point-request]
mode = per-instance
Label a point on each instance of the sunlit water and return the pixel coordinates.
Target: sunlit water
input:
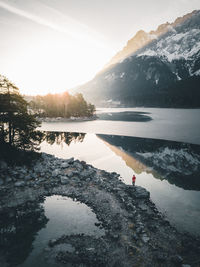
(182, 207)
(170, 124)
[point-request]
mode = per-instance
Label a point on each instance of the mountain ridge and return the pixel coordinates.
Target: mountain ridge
(142, 38)
(147, 76)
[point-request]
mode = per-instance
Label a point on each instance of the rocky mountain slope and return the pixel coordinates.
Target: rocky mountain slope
(160, 68)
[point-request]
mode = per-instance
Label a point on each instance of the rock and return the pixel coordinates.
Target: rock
(69, 172)
(38, 168)
(135, 237)
(132, 248)
(140, 192)
(64, 180)
(3, 165)
(145, 238)
(55, 172)
(70, 161)
(177, 259)
(143, 207)
(115, 236)
(161, 256)
(185, 265)
(78, 166)
(20, 183)
(1, 182)
(86, 173)
(28, 178)
(8, 179)
(64, 165)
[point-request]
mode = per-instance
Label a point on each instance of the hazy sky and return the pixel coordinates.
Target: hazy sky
(54, 45)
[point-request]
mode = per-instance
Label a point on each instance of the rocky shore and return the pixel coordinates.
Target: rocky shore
(136, 234)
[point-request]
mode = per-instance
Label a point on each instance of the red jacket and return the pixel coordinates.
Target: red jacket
(133, 178)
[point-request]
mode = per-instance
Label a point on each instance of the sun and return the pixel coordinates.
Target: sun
(56, 63)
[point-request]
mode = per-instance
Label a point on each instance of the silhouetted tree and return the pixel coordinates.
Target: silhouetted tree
(17, 126)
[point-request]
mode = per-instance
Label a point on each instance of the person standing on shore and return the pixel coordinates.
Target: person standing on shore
(133, 179)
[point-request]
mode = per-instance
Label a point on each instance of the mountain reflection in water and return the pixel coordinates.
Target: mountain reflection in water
(168, 170)
(179, 163)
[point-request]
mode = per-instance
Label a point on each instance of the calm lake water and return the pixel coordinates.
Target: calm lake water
(170, 124)
(26, 230)
(170, 171)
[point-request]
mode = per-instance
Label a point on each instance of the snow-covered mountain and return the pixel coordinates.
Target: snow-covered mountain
(159, 68)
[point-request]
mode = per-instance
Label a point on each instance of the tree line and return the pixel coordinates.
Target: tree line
(61, 105)
(18, 118)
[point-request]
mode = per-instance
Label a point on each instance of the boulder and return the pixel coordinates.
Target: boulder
(177, 259)
(70, 172)
(145, 238)
(86, 173)
(64, 165)
(20, 183)
(64, 180)
(138, 192)
(55, 172)
(70, 161)
(78, 166)
(3, 165)
(8, 179)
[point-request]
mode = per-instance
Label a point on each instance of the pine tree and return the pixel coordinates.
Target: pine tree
(17, 126)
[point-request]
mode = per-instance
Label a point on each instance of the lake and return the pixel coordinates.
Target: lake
(170, 124)
(168, 169)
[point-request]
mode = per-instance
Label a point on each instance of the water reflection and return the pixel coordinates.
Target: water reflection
(157, 164)
(125, 116)
(179, 163)
(26, 229)
(63, 137)
(18, 230)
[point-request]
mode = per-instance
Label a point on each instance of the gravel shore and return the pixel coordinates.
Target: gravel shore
(136, 234)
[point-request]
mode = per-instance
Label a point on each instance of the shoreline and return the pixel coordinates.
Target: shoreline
(137, 234)
(62, 119)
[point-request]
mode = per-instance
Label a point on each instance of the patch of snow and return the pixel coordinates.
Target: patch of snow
(178, 77)
(176, 46)
(122, 74)
(194, 50)
(110, 77)
(170, 28)
(152, 36)
(148, 52)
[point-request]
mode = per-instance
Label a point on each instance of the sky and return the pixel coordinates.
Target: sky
(50, 46)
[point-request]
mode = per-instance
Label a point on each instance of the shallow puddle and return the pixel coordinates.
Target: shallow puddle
(26, 230)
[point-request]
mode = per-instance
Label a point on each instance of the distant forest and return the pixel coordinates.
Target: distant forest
(61, 105)
(181, 94)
